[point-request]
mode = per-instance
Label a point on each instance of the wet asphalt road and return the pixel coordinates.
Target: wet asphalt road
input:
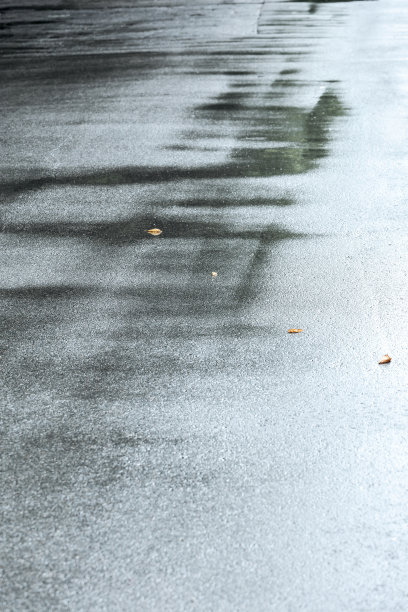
(166, 445)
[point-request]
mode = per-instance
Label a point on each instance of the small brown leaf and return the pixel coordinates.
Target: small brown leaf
(294, 331)
(385, 359)
(155, 231)
(214, 274)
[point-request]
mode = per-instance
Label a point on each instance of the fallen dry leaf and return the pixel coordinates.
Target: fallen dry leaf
(214, 274)
(294, 331)
(385, 359)
(154, 231)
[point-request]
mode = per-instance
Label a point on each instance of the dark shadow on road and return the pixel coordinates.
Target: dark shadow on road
(302, 136)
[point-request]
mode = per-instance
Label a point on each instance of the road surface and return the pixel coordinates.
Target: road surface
(166, 444)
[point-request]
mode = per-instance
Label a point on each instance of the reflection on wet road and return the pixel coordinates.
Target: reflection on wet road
(157, 443)
(258, 126)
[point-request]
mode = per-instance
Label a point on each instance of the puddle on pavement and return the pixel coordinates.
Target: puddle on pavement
(169, 293)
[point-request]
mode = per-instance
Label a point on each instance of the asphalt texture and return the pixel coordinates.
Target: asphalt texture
(166, 444)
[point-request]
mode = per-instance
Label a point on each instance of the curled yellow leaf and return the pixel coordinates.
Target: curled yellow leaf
(155, 231)
(294, 331)
(385, 359)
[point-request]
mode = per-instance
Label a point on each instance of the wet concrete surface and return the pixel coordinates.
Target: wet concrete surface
(166, 444)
